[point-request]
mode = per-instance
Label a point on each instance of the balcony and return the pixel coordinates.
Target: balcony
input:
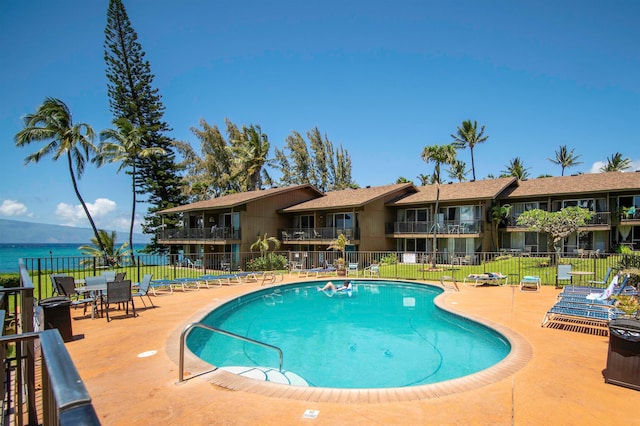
(317, 235)
(199, 235)
(600, 219)
(443, 228)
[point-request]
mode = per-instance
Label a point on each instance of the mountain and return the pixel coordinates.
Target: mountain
(13, 231)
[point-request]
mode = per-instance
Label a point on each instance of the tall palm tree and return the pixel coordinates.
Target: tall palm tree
(516, 169)
(439, 154)
(565, 158)
(110, 254)
(458, 170)
(251, 148)
(616, 164)
(125, 145)
(52, 123)
(468, 135)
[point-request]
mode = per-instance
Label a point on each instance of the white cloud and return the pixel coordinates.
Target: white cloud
(595, 168)
(13, 208)
(75, 215)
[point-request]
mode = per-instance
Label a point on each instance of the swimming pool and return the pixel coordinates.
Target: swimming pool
(382, 335)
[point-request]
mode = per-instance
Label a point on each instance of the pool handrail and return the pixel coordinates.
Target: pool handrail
(188, 328)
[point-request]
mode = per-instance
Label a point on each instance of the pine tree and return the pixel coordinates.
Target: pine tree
(132, 96)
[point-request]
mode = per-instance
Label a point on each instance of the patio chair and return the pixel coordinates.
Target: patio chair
(563, 274)
(53, 282)
(352, 267)
(142, 289)
(66, 286)
(109, 275)
(119, 292)
(120, 276)
(372, 270)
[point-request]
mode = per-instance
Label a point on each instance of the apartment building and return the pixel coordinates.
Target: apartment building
(459, 217)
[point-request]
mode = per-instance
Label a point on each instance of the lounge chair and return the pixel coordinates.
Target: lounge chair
(490, 278)
(605, 280)
(601, 297)
(141, 289)
(158, 285)
(592, 318)
(579, 318)
(318, 271)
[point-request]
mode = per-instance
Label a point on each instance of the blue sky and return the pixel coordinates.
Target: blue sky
(383, 79)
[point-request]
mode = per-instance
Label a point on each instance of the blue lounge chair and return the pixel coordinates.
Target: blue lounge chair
(605, 280)
(583, 317)
(602, 297)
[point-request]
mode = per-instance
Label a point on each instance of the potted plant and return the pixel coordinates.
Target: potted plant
(340, 244)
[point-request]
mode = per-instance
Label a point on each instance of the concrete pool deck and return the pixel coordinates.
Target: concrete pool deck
(559, 380)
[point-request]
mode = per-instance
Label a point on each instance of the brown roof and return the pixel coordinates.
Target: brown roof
(349, 198)
(462, 191)
(238, 199)
(586, 183)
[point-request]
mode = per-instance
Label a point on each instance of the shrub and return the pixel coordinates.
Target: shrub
(10, 280)
(268, 262)
(389, 259)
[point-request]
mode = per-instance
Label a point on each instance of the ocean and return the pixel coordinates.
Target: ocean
(10, 253)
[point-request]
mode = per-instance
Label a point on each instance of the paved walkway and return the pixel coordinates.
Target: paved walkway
(561, 384)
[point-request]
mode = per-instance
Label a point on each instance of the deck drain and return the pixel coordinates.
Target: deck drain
(147, 354)
(310, 414)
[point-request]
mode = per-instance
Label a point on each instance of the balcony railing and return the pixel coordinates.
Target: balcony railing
(201, 234)
(41, 387)
(317, 234)
(597, 219)
(451, 227)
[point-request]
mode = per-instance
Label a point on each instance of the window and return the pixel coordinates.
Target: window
(304, 222)
(341, 220)
(413, 215)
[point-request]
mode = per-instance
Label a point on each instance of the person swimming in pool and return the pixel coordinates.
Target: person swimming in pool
(330, 288)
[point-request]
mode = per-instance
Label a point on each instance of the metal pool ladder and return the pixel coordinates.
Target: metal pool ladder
(188, 328)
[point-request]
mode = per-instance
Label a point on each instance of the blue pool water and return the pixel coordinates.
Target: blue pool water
(385, 334)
